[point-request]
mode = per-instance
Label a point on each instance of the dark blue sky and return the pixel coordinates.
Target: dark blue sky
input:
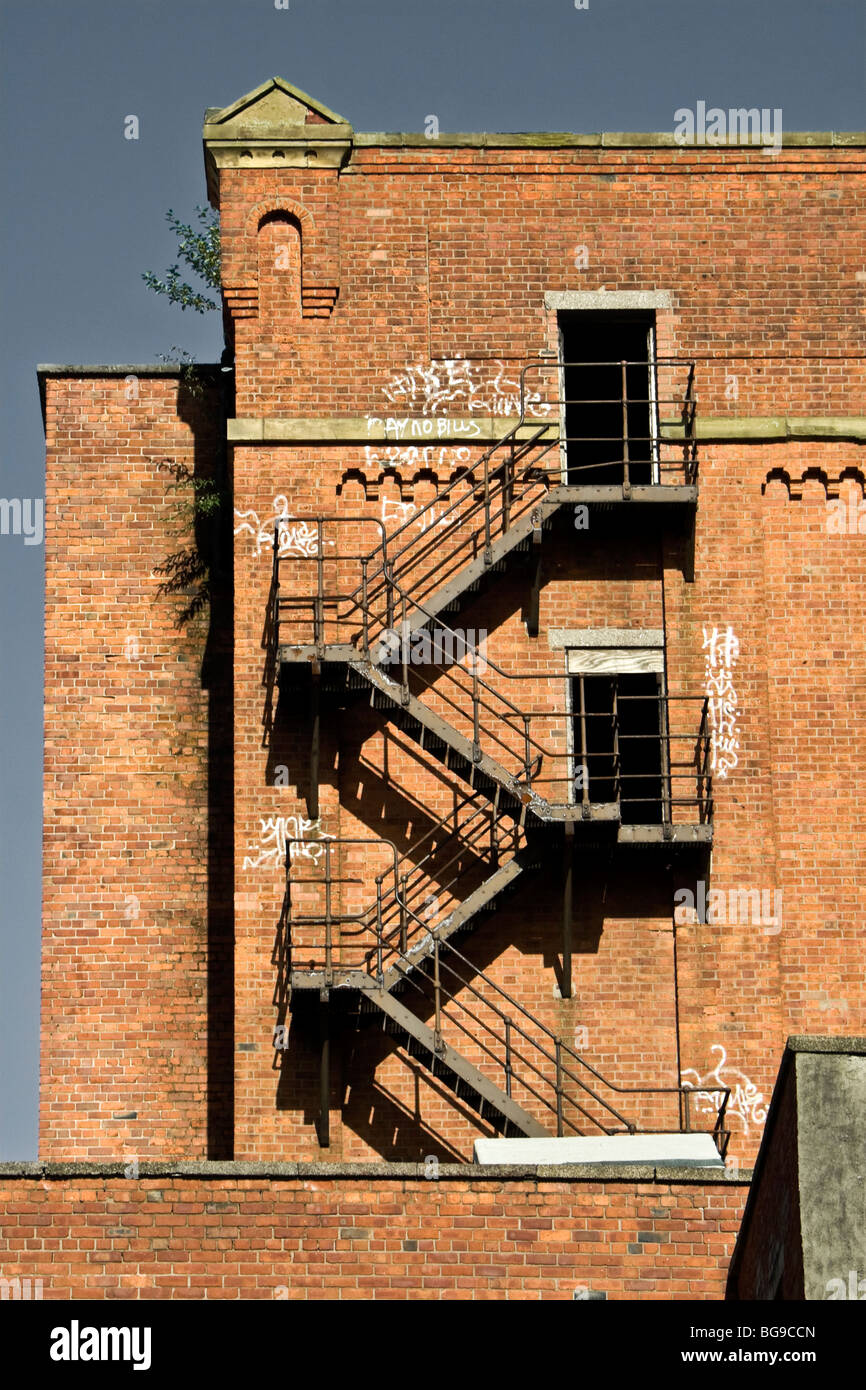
(83, 216)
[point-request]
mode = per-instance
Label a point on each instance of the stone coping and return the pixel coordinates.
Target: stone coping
(608, 139)
(377, 1172)
(853, 1046)
(126, 369)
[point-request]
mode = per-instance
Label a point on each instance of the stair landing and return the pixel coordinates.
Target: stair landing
(670, 1150)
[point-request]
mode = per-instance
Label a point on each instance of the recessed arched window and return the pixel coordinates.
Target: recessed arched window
(279, 268)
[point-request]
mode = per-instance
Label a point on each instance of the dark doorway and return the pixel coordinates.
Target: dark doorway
(600, 429)
(618, 726)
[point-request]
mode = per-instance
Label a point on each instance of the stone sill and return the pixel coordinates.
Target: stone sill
(370, 1172)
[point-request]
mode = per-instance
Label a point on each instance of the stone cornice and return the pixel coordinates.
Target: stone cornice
(407, 431)
(277, 126)
(355, 1173)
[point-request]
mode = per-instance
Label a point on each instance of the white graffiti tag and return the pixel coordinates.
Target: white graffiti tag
(276, 831)
(400, 513)
(408, 427)
(454, 381)
(411, 458)
(722, 650)
(746, 1101)
(293, 539)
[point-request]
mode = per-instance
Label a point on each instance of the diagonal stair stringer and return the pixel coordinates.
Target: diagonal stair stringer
(478, 762)
(446, 1063)
(483, 896)
(501, 547)
(414, 709)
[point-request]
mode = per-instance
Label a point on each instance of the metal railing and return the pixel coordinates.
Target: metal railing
(665, 451)
(459, 853)
(429, 549)
(533, 1064)
(452, 858)
(516, 739)
(326, 599)
(501, 493)
(486, 498)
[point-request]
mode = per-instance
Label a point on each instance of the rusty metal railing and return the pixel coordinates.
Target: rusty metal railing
(497, 726)
(536, 1066)
(486, 498)
(665, 452)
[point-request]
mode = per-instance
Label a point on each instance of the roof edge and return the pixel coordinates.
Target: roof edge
(469, 1173)
(664, 139)
(842, 1046)
(46, 370)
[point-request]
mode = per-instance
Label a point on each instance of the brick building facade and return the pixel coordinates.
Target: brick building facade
(591, 405)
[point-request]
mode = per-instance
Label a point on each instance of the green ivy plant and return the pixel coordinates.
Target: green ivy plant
(200, 249)
(187, 574)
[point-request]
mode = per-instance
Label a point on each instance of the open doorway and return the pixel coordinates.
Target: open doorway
(618, 742)
(610, 412)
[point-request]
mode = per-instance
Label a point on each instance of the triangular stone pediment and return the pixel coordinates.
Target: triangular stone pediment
(276, 109)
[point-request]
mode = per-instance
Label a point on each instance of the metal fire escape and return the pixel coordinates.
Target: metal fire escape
(529, 775)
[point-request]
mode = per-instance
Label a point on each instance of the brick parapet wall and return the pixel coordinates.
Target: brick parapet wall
(380, 1231)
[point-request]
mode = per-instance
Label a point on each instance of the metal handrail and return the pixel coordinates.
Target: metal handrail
(479, 498)
(510, 437)
(501, 712)
(481, 495)
(552, 1053)
(497, 509)
(497, 705)
(443, 886)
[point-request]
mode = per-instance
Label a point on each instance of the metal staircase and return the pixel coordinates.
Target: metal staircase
(500, 504)
(358, 629)
(449, 1014)
(477, 724)
(493, 1104)
(447, 881)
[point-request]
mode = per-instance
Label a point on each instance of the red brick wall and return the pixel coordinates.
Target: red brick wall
(128, 957)
(443, 253)
(323, 1237)
(448, 252)
(436, 259)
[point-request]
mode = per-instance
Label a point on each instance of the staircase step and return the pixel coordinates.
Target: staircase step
(472, 574)
(445, 1062)
(477, 901)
